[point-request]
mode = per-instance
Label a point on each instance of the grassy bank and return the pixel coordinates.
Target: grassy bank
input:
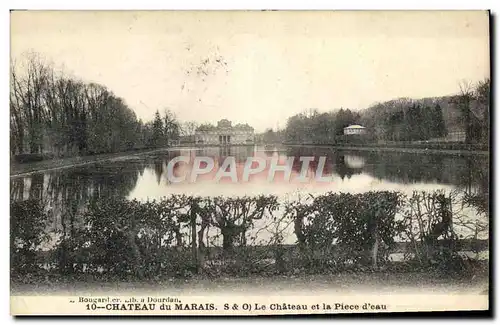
(459, 152)
(427, 148)
(23, 169)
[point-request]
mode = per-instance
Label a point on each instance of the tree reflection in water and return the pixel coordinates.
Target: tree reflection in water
(65, 193)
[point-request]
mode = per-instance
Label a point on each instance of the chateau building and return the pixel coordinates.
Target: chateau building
(224, 134)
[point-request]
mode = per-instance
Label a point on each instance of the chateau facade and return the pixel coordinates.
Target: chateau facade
(224, 134)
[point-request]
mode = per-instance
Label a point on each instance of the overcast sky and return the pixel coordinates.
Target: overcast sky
(263, 66)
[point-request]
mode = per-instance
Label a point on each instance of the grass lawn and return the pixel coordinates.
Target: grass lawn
(345, 283)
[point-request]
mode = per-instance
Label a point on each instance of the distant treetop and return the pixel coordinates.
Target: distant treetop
(206, 127)
(245, 126)
(224, 124)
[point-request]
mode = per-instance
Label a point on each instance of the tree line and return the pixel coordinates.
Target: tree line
(405, 120)
(402, 119)
(312, 126)
(52, 112)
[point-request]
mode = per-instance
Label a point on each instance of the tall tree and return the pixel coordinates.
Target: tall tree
(188, 129)
(482, 95)
(158, 131)
(172, 129)
(27, 92)
(464, 104)
(50, 111)
(437, 122)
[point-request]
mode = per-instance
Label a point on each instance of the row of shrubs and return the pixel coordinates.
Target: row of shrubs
(174, 236)
(361, 141)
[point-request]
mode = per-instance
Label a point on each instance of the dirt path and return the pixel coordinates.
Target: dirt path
(344, 283)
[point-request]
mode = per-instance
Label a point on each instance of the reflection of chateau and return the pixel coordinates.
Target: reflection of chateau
(224, 133)
(240, 153)
(353, 161)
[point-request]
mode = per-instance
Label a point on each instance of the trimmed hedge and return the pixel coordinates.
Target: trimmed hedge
(171, 237)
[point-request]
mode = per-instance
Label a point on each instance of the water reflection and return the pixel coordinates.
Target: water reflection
(67, 191)
(354, 161)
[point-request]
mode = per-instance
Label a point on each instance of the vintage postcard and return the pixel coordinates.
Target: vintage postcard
(249, 162)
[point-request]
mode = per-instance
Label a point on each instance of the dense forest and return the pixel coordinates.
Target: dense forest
(402, 119)
(315, 127)
(55, 114)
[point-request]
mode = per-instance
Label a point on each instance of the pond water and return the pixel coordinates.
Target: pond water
(145, 176)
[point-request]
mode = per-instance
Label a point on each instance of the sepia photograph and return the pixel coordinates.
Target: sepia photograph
(249, 162)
